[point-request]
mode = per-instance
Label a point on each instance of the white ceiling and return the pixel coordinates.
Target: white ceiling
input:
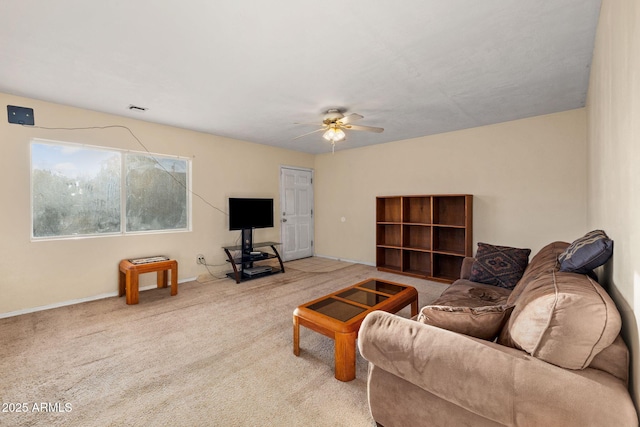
(250, 69)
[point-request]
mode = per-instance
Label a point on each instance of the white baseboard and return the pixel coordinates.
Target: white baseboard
(77, 301)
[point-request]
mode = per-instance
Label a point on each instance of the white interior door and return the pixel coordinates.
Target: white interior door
(296, 208)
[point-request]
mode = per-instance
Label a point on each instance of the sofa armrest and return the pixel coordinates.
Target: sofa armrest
(465, 271)
(496, 382)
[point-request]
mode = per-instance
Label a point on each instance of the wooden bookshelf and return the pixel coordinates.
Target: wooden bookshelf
(424, 236)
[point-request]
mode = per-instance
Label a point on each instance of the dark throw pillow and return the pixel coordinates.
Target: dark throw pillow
(588, 252)
(500, 266)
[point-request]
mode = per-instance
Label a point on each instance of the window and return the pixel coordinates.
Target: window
(77, 190)
(156, 193)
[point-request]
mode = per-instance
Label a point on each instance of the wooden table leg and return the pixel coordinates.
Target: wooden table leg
(296, 336)
(122, 280)
(132, 287)
(414, 307)
(345, 356)
(174, 279)
(162, 279)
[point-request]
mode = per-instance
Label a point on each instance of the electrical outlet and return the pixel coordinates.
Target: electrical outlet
(200, 259)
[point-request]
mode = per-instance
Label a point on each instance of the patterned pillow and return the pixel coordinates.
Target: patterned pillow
(588, 252)
(500, 266)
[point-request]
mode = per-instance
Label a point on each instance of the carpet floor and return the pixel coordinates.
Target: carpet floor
(217, 354)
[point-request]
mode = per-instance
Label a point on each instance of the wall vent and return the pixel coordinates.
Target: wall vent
(136, 108)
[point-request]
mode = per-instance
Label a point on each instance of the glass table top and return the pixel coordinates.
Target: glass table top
(355, 300)
(384, 287)
(337, 309)
(362, 296)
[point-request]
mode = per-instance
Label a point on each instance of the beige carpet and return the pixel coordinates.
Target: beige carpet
(217, 354)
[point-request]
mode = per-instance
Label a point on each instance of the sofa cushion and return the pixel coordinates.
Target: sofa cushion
(543, 263)
(586, 253)
(480, 322)
(465, 293)
(562, 318)
(500, 266)
(465, 270)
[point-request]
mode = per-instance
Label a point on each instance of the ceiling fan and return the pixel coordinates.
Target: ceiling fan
(334, 123)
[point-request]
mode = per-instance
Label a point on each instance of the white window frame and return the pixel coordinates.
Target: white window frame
(123, 214)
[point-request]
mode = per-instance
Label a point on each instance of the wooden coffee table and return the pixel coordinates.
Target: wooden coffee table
(340, 314)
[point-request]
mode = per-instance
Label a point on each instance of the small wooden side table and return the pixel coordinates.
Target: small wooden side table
(128, 278)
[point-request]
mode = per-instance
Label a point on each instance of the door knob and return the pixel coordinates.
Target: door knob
(284, 219)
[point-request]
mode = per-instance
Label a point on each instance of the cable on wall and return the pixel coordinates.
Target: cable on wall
(144, 147)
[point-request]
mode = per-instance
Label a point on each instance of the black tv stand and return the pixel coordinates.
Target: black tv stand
(247, 240)
(243, 265)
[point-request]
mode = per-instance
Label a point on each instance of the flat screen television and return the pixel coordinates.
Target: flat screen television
(245, 213)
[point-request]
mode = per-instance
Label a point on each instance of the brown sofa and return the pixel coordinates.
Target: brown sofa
(558, 359)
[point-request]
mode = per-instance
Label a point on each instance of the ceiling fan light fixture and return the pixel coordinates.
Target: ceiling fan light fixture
(334, 124)
(329, 135)
(334, 134)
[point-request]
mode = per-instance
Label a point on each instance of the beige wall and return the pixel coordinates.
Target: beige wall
(528, 178)
(614, 158)
(34, 274)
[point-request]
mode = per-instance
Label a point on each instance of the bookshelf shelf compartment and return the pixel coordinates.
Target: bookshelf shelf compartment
(417, 210)
(449, 210)
(447, 239)
(447, 267)
(389, 259)
(416, 263)
(416, 237)
(388, 235)
(388, 209)
(424, 236)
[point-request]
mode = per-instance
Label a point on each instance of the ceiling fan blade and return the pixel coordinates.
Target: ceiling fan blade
(307, 124)
(309, 133)
(350, 118)
(367, 128)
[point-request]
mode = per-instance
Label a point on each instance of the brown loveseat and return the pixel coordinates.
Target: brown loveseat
(557, 361)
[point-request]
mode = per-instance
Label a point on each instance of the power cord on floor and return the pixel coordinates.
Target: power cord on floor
(219, 265)
(214, 265)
